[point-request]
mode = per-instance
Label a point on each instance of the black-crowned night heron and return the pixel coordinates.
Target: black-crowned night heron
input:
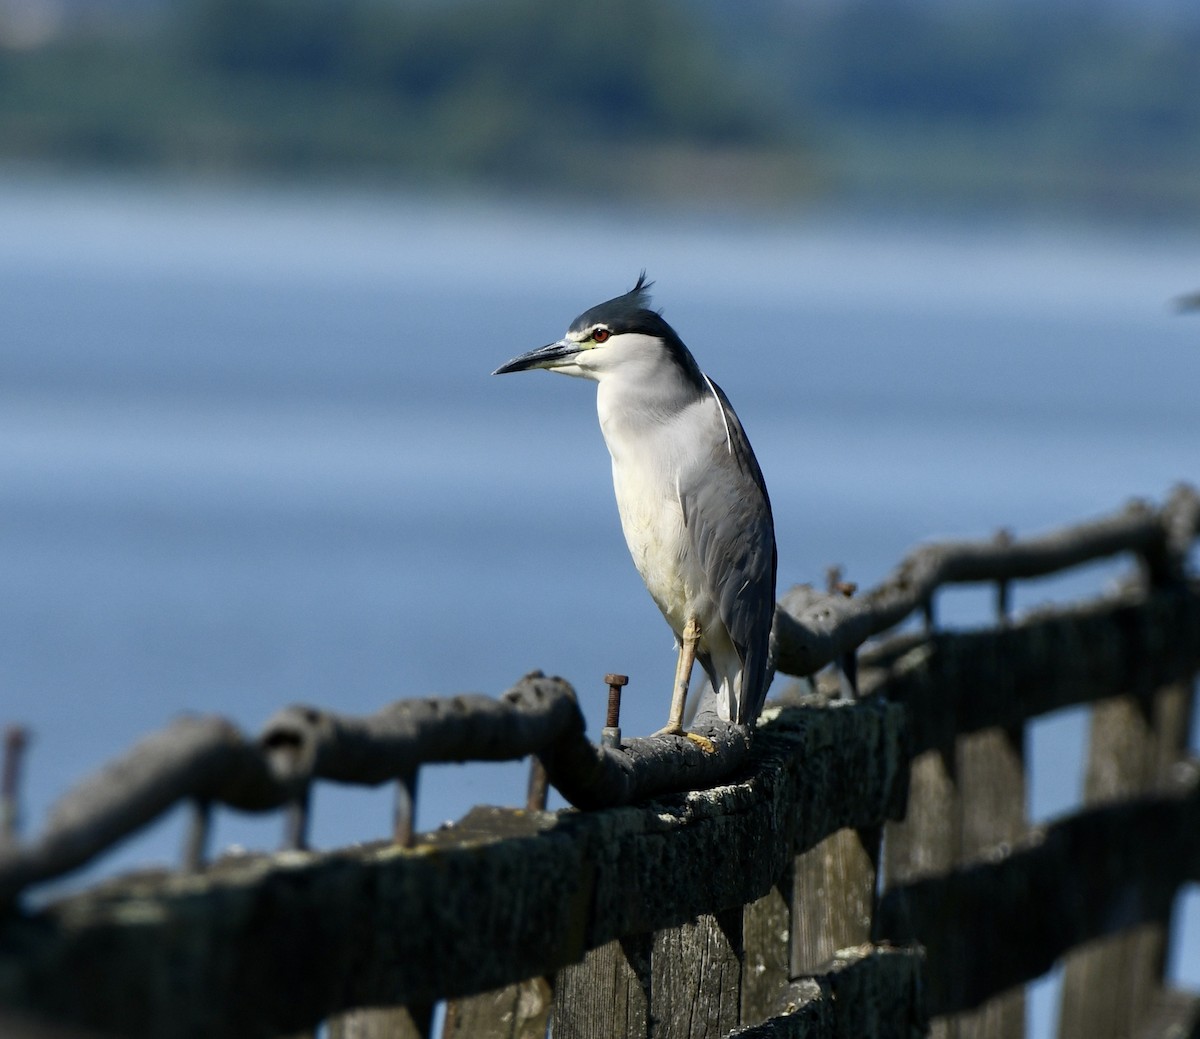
(693, 504)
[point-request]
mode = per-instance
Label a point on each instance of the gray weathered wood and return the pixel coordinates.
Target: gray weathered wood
(209, 761)
(813, 630)
(259, 944)
(960, 682)
(927, 842)
(1172, 1015)
(276, 944)
(1036, 902)
(381, 1023)
(766, 935)
(696, 977)
(607, 995)
(834, 898)
(1135, 742)
(991, 787)
(520, 1011)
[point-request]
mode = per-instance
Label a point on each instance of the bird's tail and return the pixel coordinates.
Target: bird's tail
(718, 699)
(733, 696)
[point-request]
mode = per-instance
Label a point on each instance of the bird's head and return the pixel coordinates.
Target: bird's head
(621, 333)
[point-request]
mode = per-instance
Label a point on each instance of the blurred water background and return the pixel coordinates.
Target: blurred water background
(254, 279)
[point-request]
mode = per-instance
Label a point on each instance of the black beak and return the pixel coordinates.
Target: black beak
(549, 356)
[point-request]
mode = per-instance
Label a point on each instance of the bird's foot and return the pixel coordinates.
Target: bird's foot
(703, 742)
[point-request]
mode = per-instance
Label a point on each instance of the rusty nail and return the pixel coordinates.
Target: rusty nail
(539, 786)
(1003, 539)
(295, 825)
(835, 585)
(195, 844)
(1002, 602)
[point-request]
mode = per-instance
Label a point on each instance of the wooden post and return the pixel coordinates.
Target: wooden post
(766, 933)
(926, 842)
(520, 1011)
(961, 803)
(607, 996)
(1109, 985)
(833, 896)
(992, 802)
(382, 1023)
(696, 976)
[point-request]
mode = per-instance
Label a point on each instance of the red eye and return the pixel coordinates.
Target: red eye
(599, 335)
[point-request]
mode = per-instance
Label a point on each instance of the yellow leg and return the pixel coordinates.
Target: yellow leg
(683, 678)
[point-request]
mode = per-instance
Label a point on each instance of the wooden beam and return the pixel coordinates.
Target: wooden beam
(962, 682)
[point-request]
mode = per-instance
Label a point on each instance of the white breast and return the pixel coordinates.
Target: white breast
(653, 449)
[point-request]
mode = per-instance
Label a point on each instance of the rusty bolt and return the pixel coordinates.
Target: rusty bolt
(615, 684)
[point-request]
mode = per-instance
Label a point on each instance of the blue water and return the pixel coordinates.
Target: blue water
(250, 452)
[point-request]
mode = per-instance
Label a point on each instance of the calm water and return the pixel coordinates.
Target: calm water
(250, 452)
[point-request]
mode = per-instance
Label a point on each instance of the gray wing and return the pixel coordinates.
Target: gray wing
(732, 532)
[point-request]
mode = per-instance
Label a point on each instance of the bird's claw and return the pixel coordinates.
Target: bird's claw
(703, 742)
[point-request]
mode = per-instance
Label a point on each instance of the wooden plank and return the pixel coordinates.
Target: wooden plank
(381, 1023)
(1124, 970)
(927, 841)
(959, 682)
(1135, 742)
(766, 935)
(991, 771)
(968, 792)
(520, 1011)
(1172, 1015)
(696, 977)
(833, 898)
(607, 996)
(1091, 874)
(276, 944)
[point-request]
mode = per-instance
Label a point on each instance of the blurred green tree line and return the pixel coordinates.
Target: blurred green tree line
(764, 99)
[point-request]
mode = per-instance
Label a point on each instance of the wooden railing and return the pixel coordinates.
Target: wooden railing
(860, 866)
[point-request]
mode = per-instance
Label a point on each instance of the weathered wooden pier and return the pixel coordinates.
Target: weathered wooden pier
(863, 866)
